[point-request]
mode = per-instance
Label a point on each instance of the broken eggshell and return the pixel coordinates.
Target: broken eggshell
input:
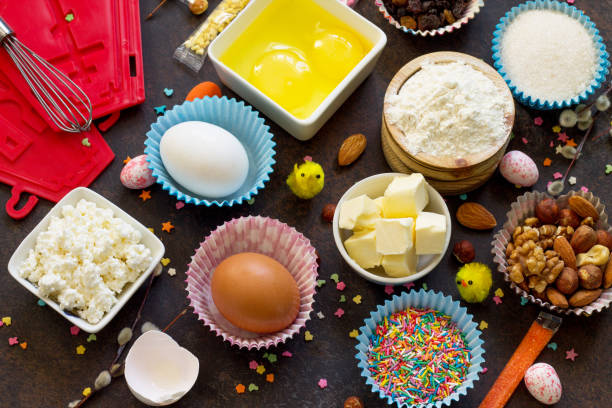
(158, 371)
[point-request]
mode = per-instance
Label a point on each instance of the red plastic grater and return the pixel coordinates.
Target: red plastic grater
(96, 43)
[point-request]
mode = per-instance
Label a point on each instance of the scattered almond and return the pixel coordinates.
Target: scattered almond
(475, 216)
(583, 207)
(565, 251)
(584, 297)
(351, 149)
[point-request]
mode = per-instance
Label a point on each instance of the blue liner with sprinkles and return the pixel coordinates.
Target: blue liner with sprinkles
(602, 55)
(239, 119)
(423, 300)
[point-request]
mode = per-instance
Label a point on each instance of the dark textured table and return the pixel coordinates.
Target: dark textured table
(50, 374)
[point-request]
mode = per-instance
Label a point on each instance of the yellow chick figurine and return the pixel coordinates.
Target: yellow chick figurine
(474, 282)
(307, 179)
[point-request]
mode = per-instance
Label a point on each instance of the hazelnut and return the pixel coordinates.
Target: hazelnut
(328, 212)
(604, 238)
(590, 276)
(547, 211)
(464, 251)
(568, 218)
(567, 281)
(583, 239)
(353, 402)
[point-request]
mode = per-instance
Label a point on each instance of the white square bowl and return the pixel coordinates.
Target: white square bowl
(302, 129)
(148, 239)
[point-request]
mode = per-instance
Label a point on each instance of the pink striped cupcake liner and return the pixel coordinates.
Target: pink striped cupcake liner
(266, 236)
(470, 12)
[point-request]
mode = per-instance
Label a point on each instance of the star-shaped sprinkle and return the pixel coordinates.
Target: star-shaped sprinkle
(538, 121)
(497, 300)
(499, 292)
(608, 168)
(388, 289)
(353, 333)
(342, 299)
(160, 110)
(571, 354)
(85, 142)
(179, 205)
(127, 160)
(322, 383)
(483, 325)
(272, 358)
(41, 302)
(320, 315)
(463, 197)
(572, 180)
(584, 189)
(562, 137)
(240, 389)
(524, 140)
(7, 320)
(145, 195)
(165, 261)
(557, 175)
(253, 387)
(308, 336)
(168, 92)
(523, 301)
(424, 286)
(286, 354)
(270, 378)
(320, 282)
(556, 129)
(340, 286)
(171, 271)
(335, 277)
(92, 337)
(552, 345)
(69, 17)
(74, 330)
(13, 340)
(80, 349)
(167, 226)
(357, 299)
(547, 162)
(559, 149)
(87, 392)
(339, 313)
(253, 365)
(23, 345)
(571, 142)
(260, 369)
(408, 285)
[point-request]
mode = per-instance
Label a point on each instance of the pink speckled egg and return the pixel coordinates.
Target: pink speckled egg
(543, 383)
(519, 169)
(136, 174)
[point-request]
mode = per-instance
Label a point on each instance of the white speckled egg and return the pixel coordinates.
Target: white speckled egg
(136, 174)
(519, 169)
(543, 383)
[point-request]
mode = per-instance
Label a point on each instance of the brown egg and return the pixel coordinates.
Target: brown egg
(255, 292)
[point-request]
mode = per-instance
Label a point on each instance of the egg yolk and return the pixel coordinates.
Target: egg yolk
(335, 52)
(282, 74)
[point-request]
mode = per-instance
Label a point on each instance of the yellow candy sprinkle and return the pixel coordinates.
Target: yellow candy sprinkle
(87, 392)
(80, 349)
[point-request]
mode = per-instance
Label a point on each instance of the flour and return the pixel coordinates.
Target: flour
(449, 109)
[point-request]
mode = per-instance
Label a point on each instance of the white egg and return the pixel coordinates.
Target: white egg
(158, 371)
(519, 169)
(204, 158)
(543, 383)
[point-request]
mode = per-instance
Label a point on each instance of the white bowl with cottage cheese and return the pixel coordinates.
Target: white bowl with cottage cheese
(86, 258)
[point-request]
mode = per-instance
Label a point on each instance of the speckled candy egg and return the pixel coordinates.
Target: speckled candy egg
(136, 174)
(543, 383)
(519, 169)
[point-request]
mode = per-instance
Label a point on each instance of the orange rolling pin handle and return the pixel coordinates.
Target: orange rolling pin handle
(537, 337)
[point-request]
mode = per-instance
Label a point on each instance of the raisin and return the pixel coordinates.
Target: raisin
(459, 8)
(400, 3)
(428, 22)
(415, 6)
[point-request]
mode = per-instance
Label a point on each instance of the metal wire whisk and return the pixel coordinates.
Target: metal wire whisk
(69, 108)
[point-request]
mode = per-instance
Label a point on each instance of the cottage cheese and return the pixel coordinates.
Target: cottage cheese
(85, 258)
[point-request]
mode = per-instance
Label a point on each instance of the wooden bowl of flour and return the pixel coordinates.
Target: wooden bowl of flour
(449, 173)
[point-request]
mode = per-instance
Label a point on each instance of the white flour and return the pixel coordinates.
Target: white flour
(449, 109)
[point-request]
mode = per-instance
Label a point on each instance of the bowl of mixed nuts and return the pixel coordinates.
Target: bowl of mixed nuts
(433, 17)
(556, 252)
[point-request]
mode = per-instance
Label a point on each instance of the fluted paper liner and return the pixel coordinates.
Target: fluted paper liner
(523, 208)
(252, 234)
(423, 300)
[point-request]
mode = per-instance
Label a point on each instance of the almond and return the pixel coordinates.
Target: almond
(584, 297)
(351, 149)
(557, 298)
(565, 251)
(583, 207)
(607, 279)
(475, 216)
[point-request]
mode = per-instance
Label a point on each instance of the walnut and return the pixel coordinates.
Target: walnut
(554, 266)
(547, 236)
(509, 249)
(526, 260)
(537, 283)
(566, 231)
(524, 234)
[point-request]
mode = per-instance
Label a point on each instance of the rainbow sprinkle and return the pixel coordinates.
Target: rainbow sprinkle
(418, 356)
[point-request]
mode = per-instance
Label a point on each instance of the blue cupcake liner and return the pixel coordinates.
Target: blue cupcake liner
(423, 300)
(602, 54)
(239, 119)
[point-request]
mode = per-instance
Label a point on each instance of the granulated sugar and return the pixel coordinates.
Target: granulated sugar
(548, 55)
(449, 109)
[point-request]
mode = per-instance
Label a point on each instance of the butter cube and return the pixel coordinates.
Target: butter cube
(379, 203)
(358, 213)
(430, 231)
(405, 196)
(361, 246)
(400, 265)
(394, 235)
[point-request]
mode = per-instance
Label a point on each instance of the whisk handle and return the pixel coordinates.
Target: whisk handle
(5, 29)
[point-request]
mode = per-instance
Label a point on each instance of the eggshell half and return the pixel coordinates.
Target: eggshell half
(158, 371)
(255, 292)
(519, 169)
(543, 383)
(136, 173)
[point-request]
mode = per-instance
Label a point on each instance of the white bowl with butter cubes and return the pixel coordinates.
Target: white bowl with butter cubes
(392, 228)
(86, 258)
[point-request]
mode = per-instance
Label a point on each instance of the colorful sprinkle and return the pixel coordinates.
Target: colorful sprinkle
(538, 121)
(253, 365)
(571, 142)
(547, 162)
(7, 320)
(270, 378)
(145, 195)
(389, 289)
(80, 350)
(167, 226)
(524, 140)
(286, 354)
(424, 286)
(127, 160)
(483, 325)
(308, 336)
(260, 369)
(557, 175)
(556, 129)
(608, 168)
(74, 330)
(463, 197)
(160, 110)
(523, 301)
(85, 142)
(571, 354)
(353, 333)
(165, 261)
(552, 345)
(342, 299)
(171, 271)
(497, 300)
(41, 302)
(357, 299)
(335, 277)
(12, 341)
(240, 389)
(572, 180)
(251, 201)
(23, 345)
(92, 337)
(322, 383)
(484, 370)
(272, 358)
(340, 286)
(69, 17)
(320, 315)
(253, 387)
(409, 285)
(179, 205)
(562, 137)
(87, 392)
(584, 189)
(168, 92)
(339, 313)
(320, 282)
(499, 292)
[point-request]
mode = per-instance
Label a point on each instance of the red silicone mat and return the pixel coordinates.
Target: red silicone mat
(100, 48)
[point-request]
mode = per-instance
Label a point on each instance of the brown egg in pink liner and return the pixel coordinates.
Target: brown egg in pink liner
(523, 208)
(252, 234)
